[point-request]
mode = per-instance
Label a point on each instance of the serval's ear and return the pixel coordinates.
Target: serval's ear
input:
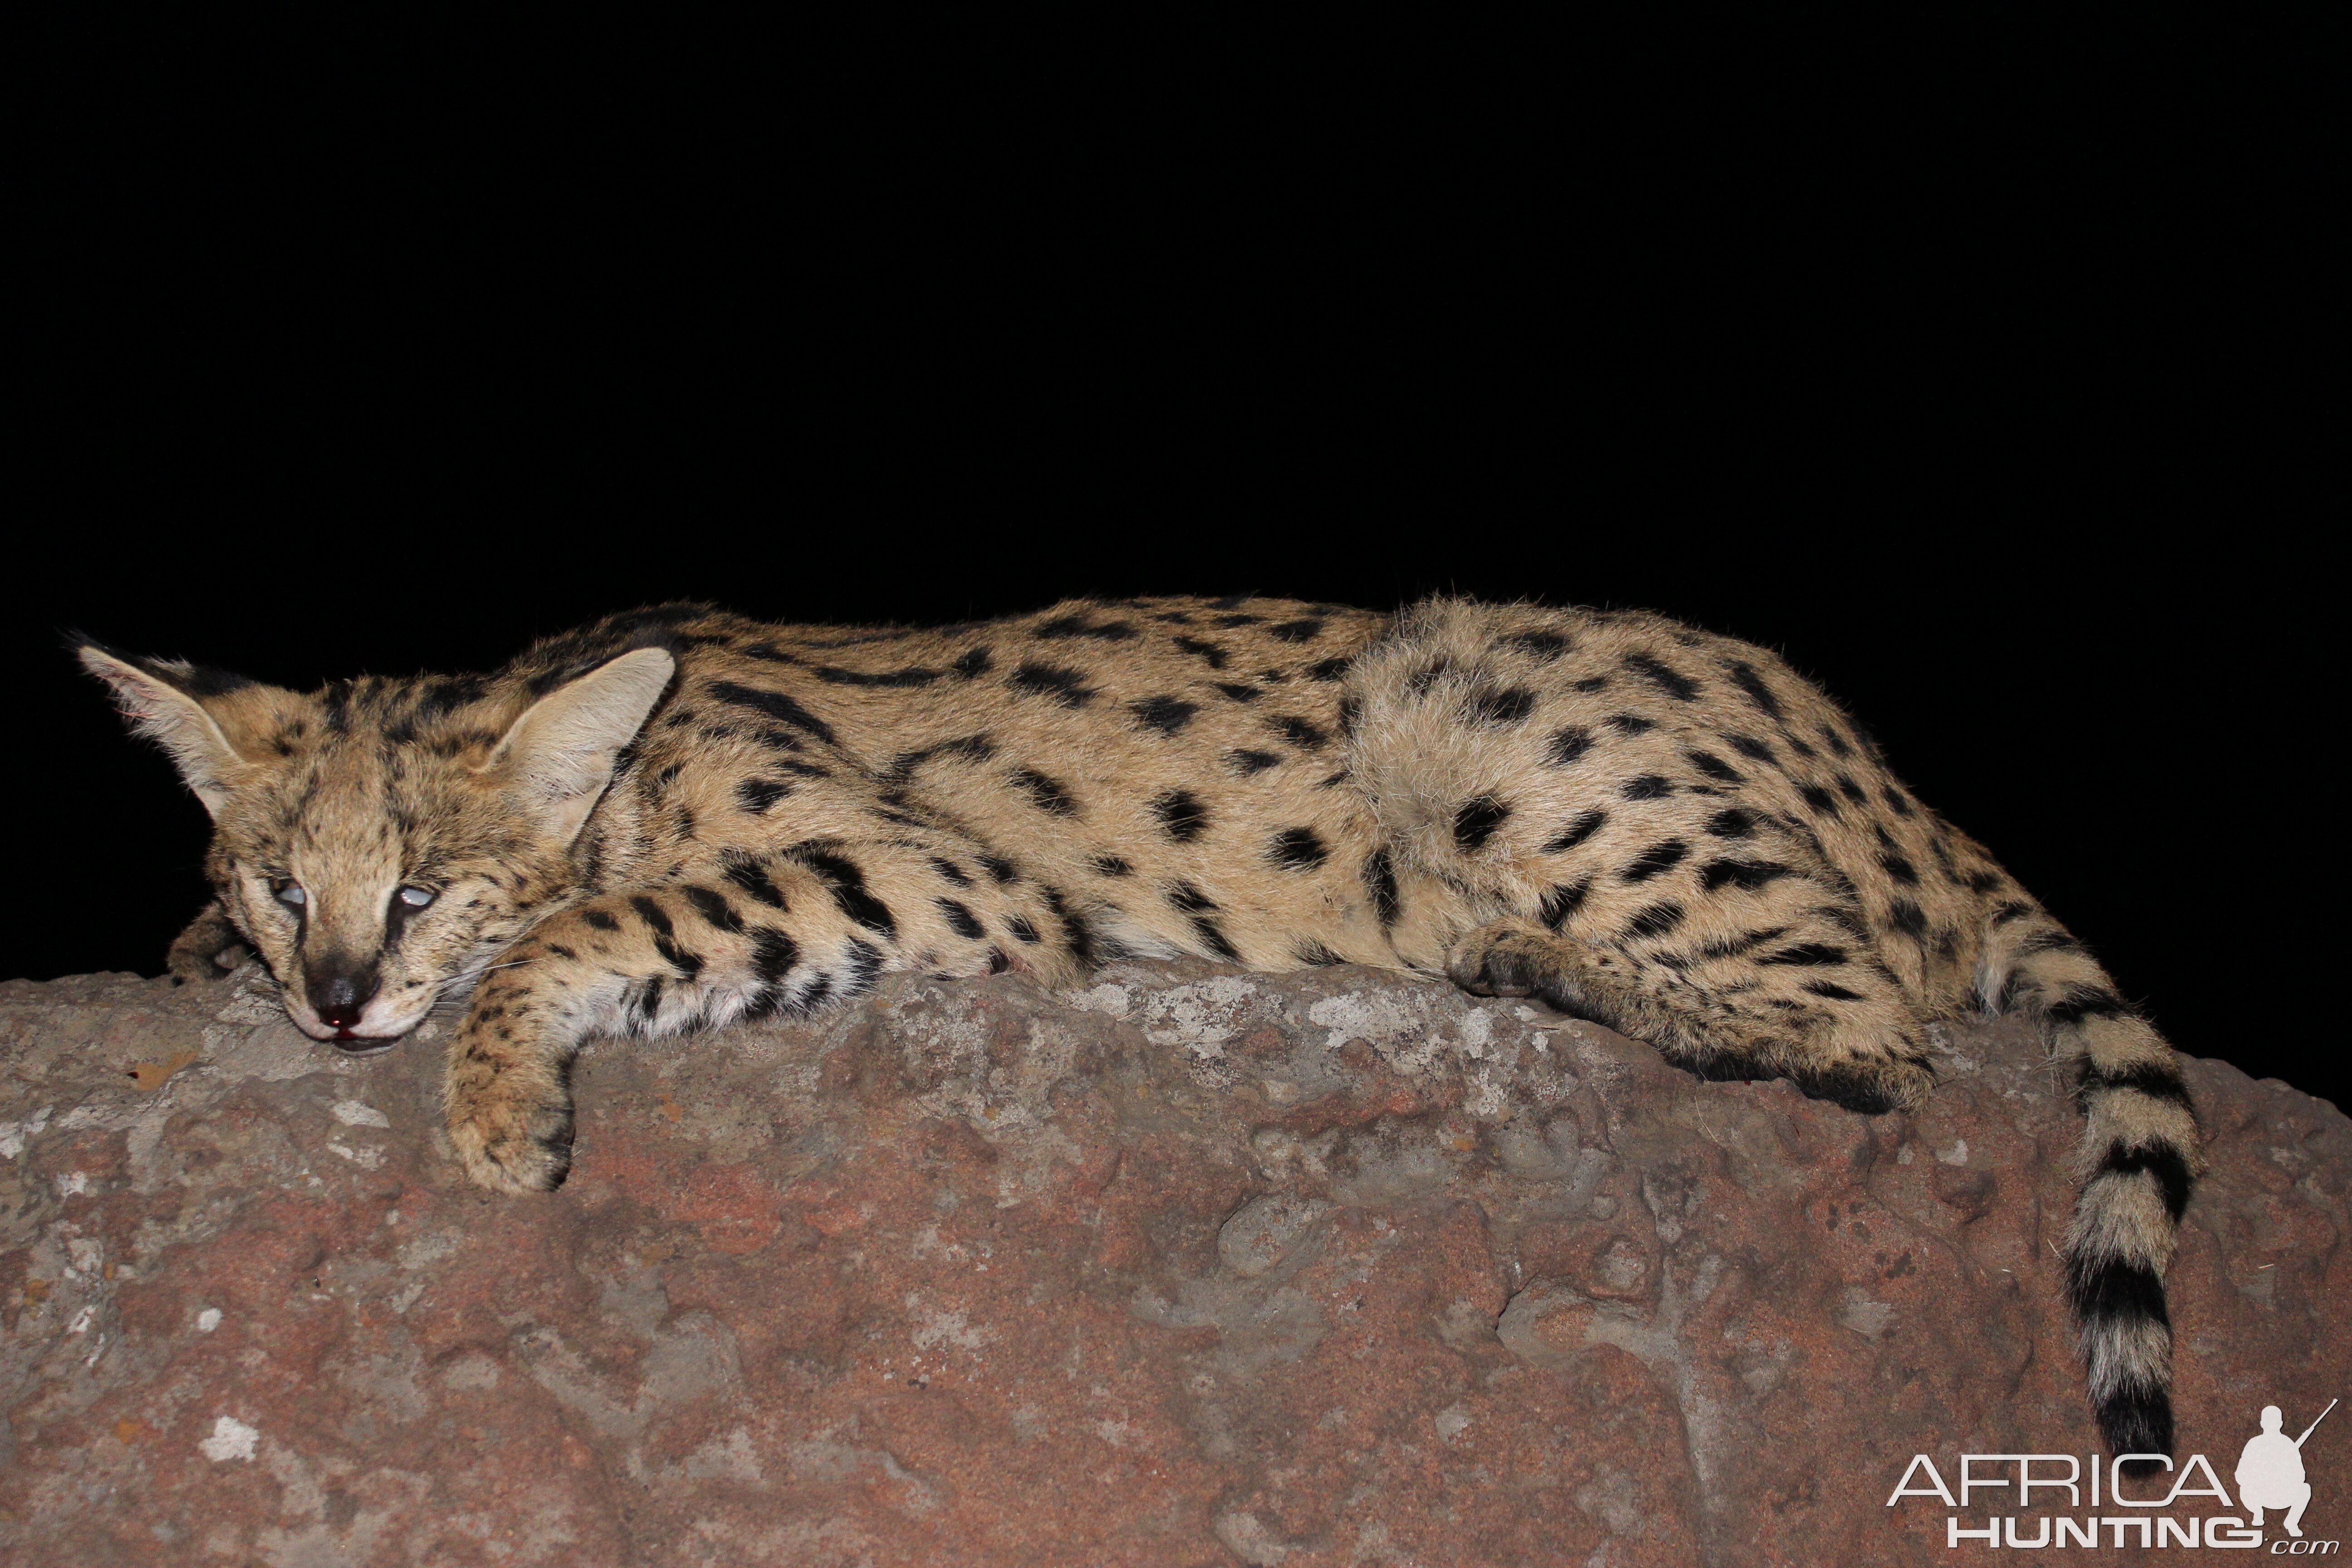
(192, 712)
(558, 757)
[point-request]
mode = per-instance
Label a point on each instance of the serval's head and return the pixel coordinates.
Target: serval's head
(379, 842)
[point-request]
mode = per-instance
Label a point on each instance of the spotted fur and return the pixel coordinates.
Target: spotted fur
(677, 817)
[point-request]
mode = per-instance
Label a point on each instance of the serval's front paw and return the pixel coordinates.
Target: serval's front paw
(512, 1129)
(1505, 958)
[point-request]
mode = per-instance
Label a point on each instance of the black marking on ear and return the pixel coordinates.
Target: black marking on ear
(775, 705)
(1066, 687)
(1586, 825)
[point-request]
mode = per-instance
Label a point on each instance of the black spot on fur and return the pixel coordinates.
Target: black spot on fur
(1165, 714)
(997, 867)
(1744, 676)
(1066, 687)
(951, 871)
(1562, 901)
(1631, 723)
(968, 749)
(1501, 708)
(1667, 678)
(2157, 1080)
(1239, 692)
(759, 795)
(745, 872)
(1586, 825)
(1207, 650)
(1832, 990)
(1907, 918)
(1327, 669)
(1297, 848)
(1380, 879)
(1476, 822)
(1021, 929)
(973, 664)
(1182, 816)
(1714, 767)
(1110, 865)
(1895, 799)
(846, 882)
(1046, 794)
(1079, 626)
(1901, 870)
(1656, 859)
(1545, 646)
(1567, 745)
(1819, 799)
(2082, 1002)
(895, 677)
(1748, 746)
(600, 920)
(1747, 874)
(1649, 786)
(1296, 631)
(1247, 762)
(1298, 732)
(713, 907)
(1809, 954)
(775, 705)
(963, 919)
(1657, 920)
(1314, 953)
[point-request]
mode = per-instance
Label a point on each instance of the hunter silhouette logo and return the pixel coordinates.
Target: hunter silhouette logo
(2124, 1500)
(2270, 1471)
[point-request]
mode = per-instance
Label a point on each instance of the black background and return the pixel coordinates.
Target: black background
(1985, 377)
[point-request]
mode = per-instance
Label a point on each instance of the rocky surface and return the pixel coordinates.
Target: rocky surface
(1191, 1268)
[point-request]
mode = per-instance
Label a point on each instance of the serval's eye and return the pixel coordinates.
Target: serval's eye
(287, 891)
(417, 897)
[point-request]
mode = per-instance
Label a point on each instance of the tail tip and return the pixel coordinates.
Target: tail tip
(2138, 1422)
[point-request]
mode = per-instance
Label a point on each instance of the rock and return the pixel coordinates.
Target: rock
(1192, 1267)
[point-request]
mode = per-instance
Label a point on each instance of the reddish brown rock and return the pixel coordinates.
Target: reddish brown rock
(1194, 1266)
